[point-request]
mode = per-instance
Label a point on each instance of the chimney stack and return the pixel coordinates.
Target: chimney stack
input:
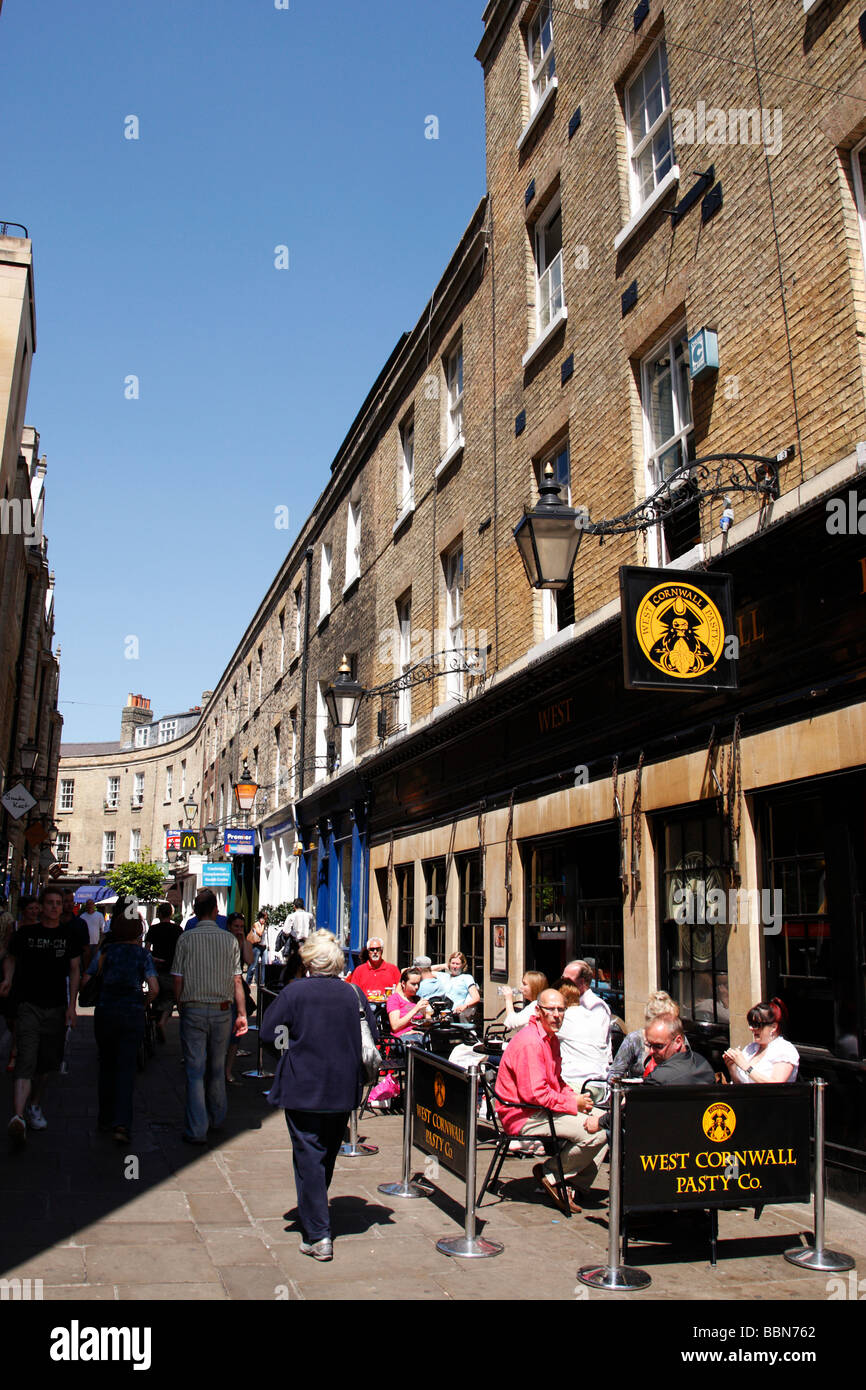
(136, 713)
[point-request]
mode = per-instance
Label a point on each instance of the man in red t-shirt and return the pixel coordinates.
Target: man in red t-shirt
(377, 974)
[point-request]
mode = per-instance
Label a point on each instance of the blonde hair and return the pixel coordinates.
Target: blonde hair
(659, 1005)
(321, 955)
(536, 981)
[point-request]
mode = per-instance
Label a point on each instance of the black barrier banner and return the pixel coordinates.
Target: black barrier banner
(440, 1100)
(715, 1146)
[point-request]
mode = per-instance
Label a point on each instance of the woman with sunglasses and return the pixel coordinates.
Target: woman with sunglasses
(768, 1057)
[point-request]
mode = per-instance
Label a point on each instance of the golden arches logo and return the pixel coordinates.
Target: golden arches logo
(189, 841)
(718, 1122)
(680, 630)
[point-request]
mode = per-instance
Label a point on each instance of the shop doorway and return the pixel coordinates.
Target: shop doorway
(574, 908)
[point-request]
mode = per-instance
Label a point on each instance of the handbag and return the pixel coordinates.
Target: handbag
(88, 994)
(371, 1057)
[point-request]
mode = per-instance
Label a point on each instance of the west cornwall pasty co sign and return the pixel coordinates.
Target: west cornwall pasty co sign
(677, 632)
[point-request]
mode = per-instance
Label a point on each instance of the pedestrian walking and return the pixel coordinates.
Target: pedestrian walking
(315, 1025)
(207, 977)
(123, 967)
(44, 962)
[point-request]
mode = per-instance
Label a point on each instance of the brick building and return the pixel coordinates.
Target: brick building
(663, 184)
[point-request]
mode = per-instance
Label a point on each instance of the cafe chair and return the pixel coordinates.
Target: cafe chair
(553, 1146)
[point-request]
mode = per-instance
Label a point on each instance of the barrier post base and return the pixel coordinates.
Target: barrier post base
(624, 1277)
(823, 1261)
(405, 1189)
(475, 1249)
(356, 1150)
(258, 1075)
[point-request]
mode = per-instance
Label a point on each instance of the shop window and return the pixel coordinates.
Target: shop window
(693, 901)
(471, 917)
(404, 882)
(434, 910)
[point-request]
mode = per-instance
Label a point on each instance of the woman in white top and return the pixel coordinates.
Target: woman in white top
(769, 1057)
(531, 986)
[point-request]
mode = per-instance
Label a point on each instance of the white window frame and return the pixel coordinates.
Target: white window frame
(638, 199)
(452, 564)
(293, 720)
(540, 74)
(222, 806)
(403, 702)
(67, 794)
(138, 789)
(112, 792)
(169, 778)
(656, 468)
(277, 732)
(167, 730)
(325, 581)
(282, 622)
(353, 542)
(860, 195)
(183, 778)
(550, 304)
(109, 848)
(321, 732)
(135, 845)
(549, 610)
(349, 737)
(142, 736)
(454, 387)
(406, 469)
(62, 847)
(249, 688)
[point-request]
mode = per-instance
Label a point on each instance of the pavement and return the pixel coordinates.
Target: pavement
(157, 1220)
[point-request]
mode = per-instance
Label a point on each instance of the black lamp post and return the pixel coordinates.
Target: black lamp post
(344, 697)
(548, 537)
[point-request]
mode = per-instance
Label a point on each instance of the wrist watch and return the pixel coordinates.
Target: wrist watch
(748, 1071)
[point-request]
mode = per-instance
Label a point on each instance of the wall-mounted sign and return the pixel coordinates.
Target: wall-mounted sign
(216, 875)
(271, 832)
(240, 841)
(172, 840)
(703, 353)
(678, 632)
(18, 801)
(190, 842)
(499, 949)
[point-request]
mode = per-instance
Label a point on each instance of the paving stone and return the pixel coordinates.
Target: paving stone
(238, 1245)
(78, 1293)
(258, 1282)
(170, 1293)
(216, 1208)
(57, 1265)
(127, 1264)
(135, 1233)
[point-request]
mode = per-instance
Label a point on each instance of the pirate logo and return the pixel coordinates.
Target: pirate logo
(439, 1089)
(718, 1122)
(680, 630)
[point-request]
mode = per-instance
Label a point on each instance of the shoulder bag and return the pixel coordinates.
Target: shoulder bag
(371, 1058)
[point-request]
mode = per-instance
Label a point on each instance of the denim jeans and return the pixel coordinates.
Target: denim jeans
(257, 955)
(204, 1037)
(118, 1035)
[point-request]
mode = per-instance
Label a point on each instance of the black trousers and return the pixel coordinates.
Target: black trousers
(316, 1138)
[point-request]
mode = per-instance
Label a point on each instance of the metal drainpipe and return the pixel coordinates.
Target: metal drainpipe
(308, 556)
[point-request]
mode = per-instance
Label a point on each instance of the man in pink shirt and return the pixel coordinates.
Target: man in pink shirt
(376, 974)
(530, 1077)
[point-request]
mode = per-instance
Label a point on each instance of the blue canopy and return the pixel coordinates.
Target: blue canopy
(96, 891)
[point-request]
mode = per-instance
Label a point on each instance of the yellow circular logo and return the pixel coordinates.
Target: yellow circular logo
(680, 630)
(718, 1122)
(439, 1089)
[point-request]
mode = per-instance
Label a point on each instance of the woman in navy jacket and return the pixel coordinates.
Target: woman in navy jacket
(315, 1026)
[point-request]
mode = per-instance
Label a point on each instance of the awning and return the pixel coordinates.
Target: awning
(96, 891)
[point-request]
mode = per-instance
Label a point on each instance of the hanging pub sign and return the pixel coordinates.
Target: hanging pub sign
(677, 630)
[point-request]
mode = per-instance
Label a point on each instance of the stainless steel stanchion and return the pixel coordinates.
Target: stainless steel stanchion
(257, 1073)
(353, 1149)
(614, 1275)
(816, 1257)
(469, 1246)
(254, 1027)
(405, 1188)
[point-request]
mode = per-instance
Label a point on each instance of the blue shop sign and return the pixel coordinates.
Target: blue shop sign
(272, 831)
(240, 841)
(703, 352)
(216, 875)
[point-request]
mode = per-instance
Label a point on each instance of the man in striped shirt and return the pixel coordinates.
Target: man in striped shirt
(207, 978)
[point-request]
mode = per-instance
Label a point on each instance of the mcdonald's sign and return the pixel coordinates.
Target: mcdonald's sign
(189, 842)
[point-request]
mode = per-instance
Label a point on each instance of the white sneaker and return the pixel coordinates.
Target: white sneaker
(17, 1130)
(35, 1118)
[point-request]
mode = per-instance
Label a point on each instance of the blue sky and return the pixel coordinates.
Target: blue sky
(154, 258)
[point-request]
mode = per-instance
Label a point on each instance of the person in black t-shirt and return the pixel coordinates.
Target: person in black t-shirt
(45, 961)
(80, 929)
(161, 940)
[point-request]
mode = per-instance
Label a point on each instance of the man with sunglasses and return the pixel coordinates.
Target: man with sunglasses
(376, 974)
(675, 1063)
(530, 1082)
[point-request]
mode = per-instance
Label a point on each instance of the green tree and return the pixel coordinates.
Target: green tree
(143, 881)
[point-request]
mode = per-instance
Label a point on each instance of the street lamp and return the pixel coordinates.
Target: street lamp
(211, 835)
(28, 753)
(548, 537)
(344, 697)
(245, 789)
(190, 810)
